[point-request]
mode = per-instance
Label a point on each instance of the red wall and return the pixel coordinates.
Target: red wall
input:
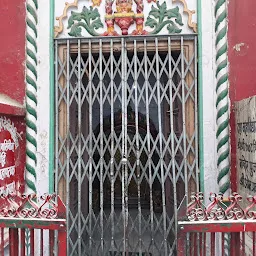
(12, 83)
(12, 49)
(242, 60)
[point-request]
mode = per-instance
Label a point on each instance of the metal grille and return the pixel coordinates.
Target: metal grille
(126, 141)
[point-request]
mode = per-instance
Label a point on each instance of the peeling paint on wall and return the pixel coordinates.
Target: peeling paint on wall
(237, 47)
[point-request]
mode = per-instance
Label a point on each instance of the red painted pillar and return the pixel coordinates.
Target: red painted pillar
(12, 94)
(242, 62)
(12, 50)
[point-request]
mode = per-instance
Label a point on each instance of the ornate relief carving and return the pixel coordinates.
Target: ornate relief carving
(59, 29)
(190, 13)
(96, 3)
(123, 16)
(89, 19)
(160, 17)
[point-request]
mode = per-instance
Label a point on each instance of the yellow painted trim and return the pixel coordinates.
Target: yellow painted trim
(122, 15)
(139, 15)
(59, 29)
(190, 13)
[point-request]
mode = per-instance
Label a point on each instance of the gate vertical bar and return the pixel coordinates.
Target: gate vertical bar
(79, 148)
(212, 244)
(101, 150)
(172, 135)
(2, 242)
(51, 242)
(222, 243)
(242, 243)
(160, 143)
(138, 174)
(57, 129)
(41, 246)
(90, 146)
(196, 113)
(149, 146)
(68, 141)
(123, 149)
(32, 242)
(125, 145)
(112, 146)
(181, 244)
(56, 116)
(254, 242)
(184, 134)
(184, 118)
(22, 242)
(62, 243)
(14, 242)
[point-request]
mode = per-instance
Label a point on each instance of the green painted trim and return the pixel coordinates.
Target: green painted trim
(200, 96)
(51, 125)
(222, 101)
(31, 94)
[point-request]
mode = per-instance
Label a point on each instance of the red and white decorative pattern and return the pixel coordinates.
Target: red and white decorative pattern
(231, 208)
(28, 206)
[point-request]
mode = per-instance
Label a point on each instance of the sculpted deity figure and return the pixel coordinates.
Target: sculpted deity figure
(124, 17)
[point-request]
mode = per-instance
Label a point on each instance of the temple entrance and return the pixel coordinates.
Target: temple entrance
(127, 142)
(134, 167)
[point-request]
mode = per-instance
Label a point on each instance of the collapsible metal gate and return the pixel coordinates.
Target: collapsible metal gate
(126, 141)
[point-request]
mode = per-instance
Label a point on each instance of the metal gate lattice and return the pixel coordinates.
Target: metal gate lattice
(126, 141)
